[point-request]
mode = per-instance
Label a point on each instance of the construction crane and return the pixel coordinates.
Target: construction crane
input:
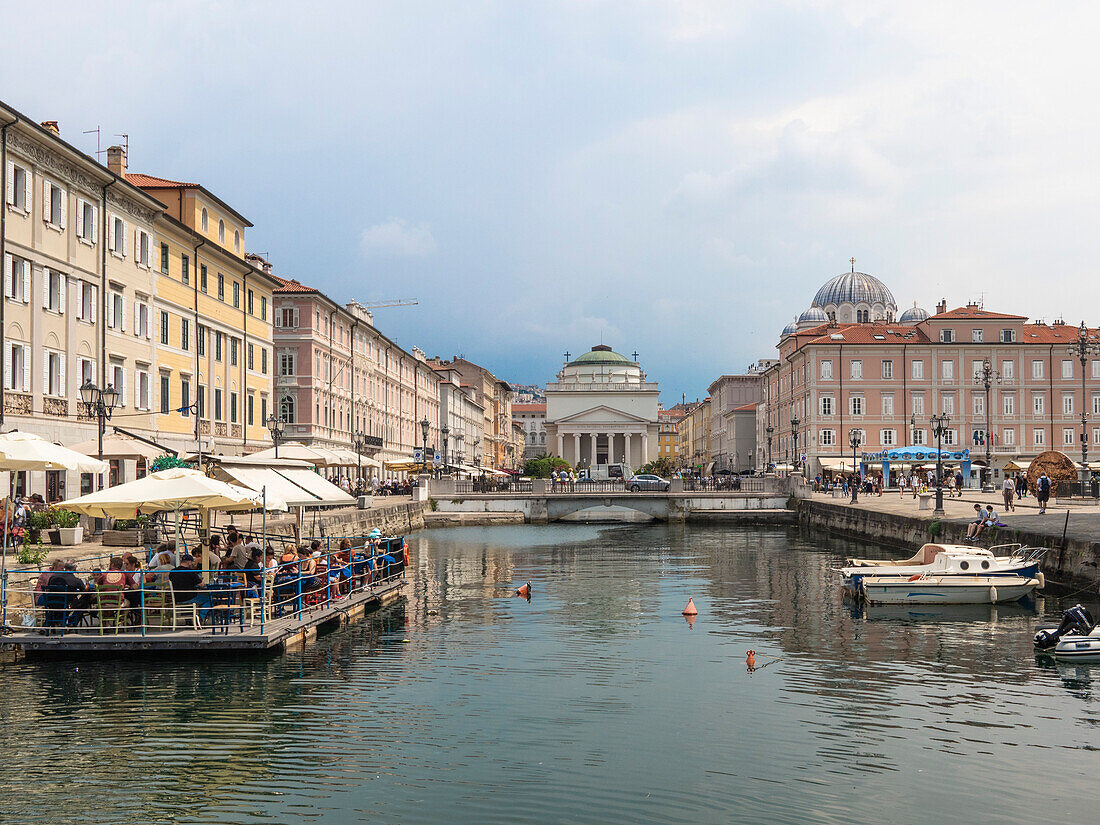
(400, 302)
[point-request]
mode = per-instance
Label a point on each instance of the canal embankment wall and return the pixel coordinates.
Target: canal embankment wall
(1072, 560)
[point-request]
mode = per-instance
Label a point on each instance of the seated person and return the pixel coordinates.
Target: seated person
(187, 586)
(976, 525)
(113, 578)
(56, 566)
(254, 568)
(163, 558)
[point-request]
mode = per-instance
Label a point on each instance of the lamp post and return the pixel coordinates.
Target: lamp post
(360, 443)
(939, 424)
(797, 462)
(986, 376)
(855, 439)
(275, 427)
(99, 404)
(424, 424)
(770, 430)
(1084, 346)
(446, 431)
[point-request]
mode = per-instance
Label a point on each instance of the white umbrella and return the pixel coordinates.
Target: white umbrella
(117, 445)
(27, 451)
(317, 456)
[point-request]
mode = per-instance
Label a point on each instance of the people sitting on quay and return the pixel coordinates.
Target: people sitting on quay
(986, 519)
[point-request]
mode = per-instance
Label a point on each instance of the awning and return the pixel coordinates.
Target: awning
(1019, 466)
(294, 482)
(257, 478)
(327, 492)
(403, 466)
(117, 445)
(836, 465)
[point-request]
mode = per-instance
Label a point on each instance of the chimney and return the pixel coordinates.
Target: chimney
(941, 307)
(116, 160)
(51, 126)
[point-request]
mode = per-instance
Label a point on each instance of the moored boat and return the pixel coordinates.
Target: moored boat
(1076, 637)
(949, 560)
(949, 589)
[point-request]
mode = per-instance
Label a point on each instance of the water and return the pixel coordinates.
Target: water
(593, 703)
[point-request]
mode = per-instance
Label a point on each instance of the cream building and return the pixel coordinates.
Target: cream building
(601, 410)
(463, 417)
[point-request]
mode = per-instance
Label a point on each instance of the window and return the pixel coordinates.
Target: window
(118, 380)
(53, 205)
(221, 287)
(827, 438)
(17, 280)
(204, 220)
(1038, 403)
(251, 409)
(19, 187)
(233, 407)
(233, 343)
(218, 405)
(116, 312)
(200, 339)
(947, 370)
(1008, 336)
(202, 277)
(86, 222)
(251, 295)
(1008, 404)
(288, 317)
(85, 368)
(185, 334)
(288, 366)
(1067, 403)
(200, 399)
(164, 328)
(1008, 437)
(164, 258)
(165, 393)
(917, 369)
(54, 298)
(1038, 436)
(1036, 369)
(947, 336)
(977, 336)
(263, 360)
(976, 368)
(218, 336)
(185, 269)
(263, 408)
(236, 294)
(286, 409)
(887, 369)
(949, 437)
(17, 367)
(918, 404)
(887, 404)
(948, 404)
(1067, 368)
(185, 396)
(888, 438)
(826, 403)
(1008, 370)
(116, 237)
(1096, 369)
(857, 370)
(918, 437)
(263, 308)
(251, 357)
(142, 390)
(53, 374)
(855, 404)
(237, 241)
(142, 322)
(979, 404)
(142, 251)
(1067, 437)
(221, 232)
(1096, 403)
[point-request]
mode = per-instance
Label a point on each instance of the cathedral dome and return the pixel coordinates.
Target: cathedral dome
(601, 354)
(913, 316)
(812, 317)
(790, 329)
(854, 288)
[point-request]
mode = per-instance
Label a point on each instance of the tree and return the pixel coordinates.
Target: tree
(542, 465)
(660, 467)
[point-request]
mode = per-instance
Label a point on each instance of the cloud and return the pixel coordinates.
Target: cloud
(397, 238)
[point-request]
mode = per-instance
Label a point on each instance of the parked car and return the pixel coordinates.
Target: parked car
(648, 483)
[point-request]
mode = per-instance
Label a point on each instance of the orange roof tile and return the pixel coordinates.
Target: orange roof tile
(744, 407)
(291, 286)
(528, 408)
(869, 334)
(975, 314)
(151, 182)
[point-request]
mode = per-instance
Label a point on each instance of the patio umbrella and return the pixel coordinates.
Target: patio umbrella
(117, 445)
(317, 456)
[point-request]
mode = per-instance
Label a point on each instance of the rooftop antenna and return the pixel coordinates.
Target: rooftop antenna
(125, 145)
(853, 263)
(95, 132)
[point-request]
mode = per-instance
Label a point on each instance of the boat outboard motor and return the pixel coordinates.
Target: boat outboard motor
(1076, 621)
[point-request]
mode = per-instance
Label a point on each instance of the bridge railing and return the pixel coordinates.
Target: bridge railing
(492, 485)
(725, 484)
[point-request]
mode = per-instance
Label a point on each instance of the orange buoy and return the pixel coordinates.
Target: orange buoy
(750, 660)
(690, 609)
(524, 591)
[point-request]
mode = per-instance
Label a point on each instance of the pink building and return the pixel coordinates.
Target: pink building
(887, 378)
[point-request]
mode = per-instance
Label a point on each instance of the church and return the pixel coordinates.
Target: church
(602, 410)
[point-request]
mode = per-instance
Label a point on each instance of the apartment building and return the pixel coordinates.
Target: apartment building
(532, 417)
(463, 417)
(495, 398)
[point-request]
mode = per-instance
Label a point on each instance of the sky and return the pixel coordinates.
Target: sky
(672, 177)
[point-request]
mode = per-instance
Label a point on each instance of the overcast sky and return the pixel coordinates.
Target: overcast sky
(675, 177)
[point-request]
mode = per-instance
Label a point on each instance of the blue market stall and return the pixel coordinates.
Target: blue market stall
(915, 455)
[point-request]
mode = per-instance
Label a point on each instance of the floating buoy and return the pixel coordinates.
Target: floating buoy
(690, 609)
(524, 591)
(750, 660)
(993, 594)
(1042, 579)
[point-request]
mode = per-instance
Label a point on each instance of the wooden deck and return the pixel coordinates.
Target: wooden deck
(278, 634)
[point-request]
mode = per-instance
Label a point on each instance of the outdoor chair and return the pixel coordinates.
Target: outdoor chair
(262, 600)
(225, 607)
(160, 605)
(109, 605)
(58, 603)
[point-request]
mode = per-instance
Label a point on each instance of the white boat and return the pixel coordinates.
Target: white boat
(950, 589)
(949, 560)
(1077, 637)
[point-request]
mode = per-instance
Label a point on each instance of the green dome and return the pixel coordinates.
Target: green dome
(602, 354)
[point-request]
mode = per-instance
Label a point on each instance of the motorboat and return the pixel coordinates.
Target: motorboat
(946, 589)
(1076, 637)
(949, 560)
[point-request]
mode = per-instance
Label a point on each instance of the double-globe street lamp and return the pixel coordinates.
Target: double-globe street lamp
(939, 424)
(986, 376)
(276, 428)
(1083, 346)
(796, 461)
(770, 430)
(424, 424)
(445, 432)
(360, 444)
(99, 404)
(855, 440)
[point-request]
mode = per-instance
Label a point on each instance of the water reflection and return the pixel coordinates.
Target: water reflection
(595, 701)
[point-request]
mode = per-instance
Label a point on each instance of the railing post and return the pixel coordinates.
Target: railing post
(263, 591)
(141, 593)
(4, 599)
(299, 612)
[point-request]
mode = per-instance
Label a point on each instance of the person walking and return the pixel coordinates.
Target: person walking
(1042, 492)
(959, 483)
(1008, 490)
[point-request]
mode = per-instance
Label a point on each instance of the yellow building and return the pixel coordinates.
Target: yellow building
(693, 438)
(668, 439)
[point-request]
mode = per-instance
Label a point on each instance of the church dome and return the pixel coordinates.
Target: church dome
(812, 317)
(854, 288)
(601, 354)
(790, 329)
(913, 316)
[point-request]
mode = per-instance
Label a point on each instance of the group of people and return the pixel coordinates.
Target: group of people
(375, 487)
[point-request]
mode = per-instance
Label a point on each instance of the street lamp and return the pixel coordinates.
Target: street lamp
(770, 430)
(794, 441)
(360, 443)
(1083, 347)
(986, 376)
(939, 424)
(855, 439)
(276, 428)
(99, 404)
(446, 431)
(424, 424)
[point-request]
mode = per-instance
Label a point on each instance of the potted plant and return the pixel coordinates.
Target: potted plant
(65, 529)
(130, 532)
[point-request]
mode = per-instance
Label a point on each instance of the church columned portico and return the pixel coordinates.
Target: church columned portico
(602, 446)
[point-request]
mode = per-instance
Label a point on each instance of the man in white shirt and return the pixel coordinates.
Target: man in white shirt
(1009, 491)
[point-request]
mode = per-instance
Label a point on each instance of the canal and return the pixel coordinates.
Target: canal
(595, 702)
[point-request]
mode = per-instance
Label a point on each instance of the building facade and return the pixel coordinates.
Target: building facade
(463, 416)
(532, 417)
(495, 398)
(731, 447)
(668, 442)
(602, 409)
